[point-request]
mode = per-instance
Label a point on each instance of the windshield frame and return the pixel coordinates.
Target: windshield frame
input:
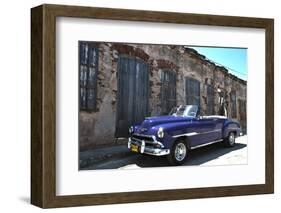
(185, 111)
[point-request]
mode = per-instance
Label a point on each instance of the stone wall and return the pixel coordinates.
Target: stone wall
(97, 128)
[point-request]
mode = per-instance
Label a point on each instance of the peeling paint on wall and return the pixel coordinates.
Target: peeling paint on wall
(98, 127)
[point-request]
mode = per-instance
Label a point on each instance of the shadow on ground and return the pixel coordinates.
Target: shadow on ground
(196, 157)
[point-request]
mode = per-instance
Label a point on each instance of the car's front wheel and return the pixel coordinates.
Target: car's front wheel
(230, 140)
(178, 154)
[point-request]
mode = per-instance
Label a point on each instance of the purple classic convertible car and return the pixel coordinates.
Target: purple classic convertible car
(183, 130)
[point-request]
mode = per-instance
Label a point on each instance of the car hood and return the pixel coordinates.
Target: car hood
(154, 121)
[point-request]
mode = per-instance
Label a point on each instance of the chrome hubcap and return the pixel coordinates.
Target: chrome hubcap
(180, 152)
(231, 138)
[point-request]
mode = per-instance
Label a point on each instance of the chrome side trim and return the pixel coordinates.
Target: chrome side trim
(206, 144)
(216, 130)
(186, 134)
(196, 133)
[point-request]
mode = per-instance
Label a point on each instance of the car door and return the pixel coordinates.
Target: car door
(205, 130)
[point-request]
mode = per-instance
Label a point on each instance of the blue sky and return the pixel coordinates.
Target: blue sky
(235, 59)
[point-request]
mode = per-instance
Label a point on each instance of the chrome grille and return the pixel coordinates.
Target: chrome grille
(146, 138)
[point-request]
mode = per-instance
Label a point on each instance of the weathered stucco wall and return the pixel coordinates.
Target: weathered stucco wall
(97, 128)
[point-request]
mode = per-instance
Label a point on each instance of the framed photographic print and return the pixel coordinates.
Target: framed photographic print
(136, 106)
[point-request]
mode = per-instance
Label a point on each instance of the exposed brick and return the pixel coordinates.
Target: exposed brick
(98, 128)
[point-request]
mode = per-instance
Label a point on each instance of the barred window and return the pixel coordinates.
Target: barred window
(192, 91)
(168, 91)
(88, 69)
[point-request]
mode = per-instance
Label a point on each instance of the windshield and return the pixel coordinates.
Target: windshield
(184, 110)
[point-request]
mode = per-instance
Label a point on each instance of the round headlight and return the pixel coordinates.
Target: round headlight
(160, 133)
(131, 129)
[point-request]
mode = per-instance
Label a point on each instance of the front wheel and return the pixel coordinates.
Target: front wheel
(178, 153)
(230, 140)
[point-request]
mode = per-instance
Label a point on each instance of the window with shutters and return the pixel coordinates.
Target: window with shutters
(168, 91)
(210, 100)
(233, 104)
(88, 69)
(192, 91)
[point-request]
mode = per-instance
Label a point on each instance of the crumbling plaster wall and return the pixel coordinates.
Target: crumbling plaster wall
(98, 128)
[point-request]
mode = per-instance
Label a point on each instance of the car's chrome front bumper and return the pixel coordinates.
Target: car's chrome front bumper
(143, 149)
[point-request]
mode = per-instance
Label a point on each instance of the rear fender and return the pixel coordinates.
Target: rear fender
(231, 126)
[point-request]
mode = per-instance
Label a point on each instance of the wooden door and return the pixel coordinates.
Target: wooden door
(132, 98)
